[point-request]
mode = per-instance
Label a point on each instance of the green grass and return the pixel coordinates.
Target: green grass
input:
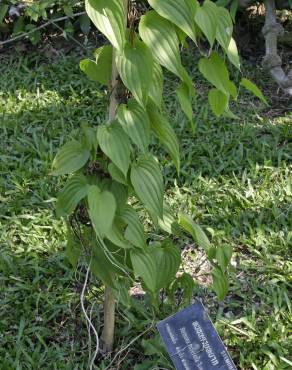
(235, 180)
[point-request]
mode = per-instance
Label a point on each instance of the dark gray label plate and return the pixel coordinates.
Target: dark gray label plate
(192, 341)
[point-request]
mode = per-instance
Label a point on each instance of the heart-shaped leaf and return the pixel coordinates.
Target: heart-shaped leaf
(102, 209)
(153, 28)
(218, 101)
(135, 66)
(157, 266)
(135, 231)
(147, 182)
(224, 27)
(70, 158)
(75, 189)
(135, 122)
(181, 13)
(156, 88)
(109, 17)
(215, 71)
(206, 19)
(115, 144)
(165, 133)
(99, 70)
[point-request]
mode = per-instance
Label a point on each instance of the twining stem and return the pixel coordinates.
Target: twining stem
(109, 299)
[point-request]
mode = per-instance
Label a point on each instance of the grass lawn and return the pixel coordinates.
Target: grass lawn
(235, 181)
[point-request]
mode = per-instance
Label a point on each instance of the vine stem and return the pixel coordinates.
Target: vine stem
(88, 319)
(109, 297)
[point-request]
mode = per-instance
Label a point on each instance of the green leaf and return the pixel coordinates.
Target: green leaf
(74, 191)
(223, 256)
(120, 192)
(100, 70)
(232, 54)
(135, 122)
(109, 17)
(152, 29)
(147, 181)
(218, 101)
(115, 144)
(70, 158)
(224, 27)
(3, 10)
(169, 223)
(101, 266)
(135, 66)
(215, 71)
(116, 236)
(186, 283)
(186, 222)
(181, 13)
(102, 209)
(156, 88)
(220, 283)
(185, 100)
(206, 19)
(165, 133)
(135, 231)
(250, 86)
(89, 138)
(84, 22)
(156, 267)
(73, 249)
(117, 174)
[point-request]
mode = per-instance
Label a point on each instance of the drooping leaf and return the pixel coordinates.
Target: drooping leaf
(135, 66)
(206, 19)
(185, 100)
(74, 191)
(186, 283)
(153, 28)
(250, 86)
(165, 133)
(218, 101)
(157, 266)
(224, 27)
(169, 223)
(135, 122)
(181, 13)
(187, 223)
(84, 22)
(220, 283)
(115, 144)
(70, 158)
(116, 237)
(101, 266)
(215, 71)
(134, 232)
(116, 174)
(120, 192)
(223, 256)
(109, 18)
(99, 70)
(147, 182)
(156, 88)
(102, 209)
(232, 53)
(73, 249)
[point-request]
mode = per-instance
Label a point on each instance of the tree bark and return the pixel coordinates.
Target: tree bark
(272, 61)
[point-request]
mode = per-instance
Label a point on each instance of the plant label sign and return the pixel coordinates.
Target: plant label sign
(192, 341)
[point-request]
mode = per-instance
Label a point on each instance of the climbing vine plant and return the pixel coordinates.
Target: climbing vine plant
(111, 168)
